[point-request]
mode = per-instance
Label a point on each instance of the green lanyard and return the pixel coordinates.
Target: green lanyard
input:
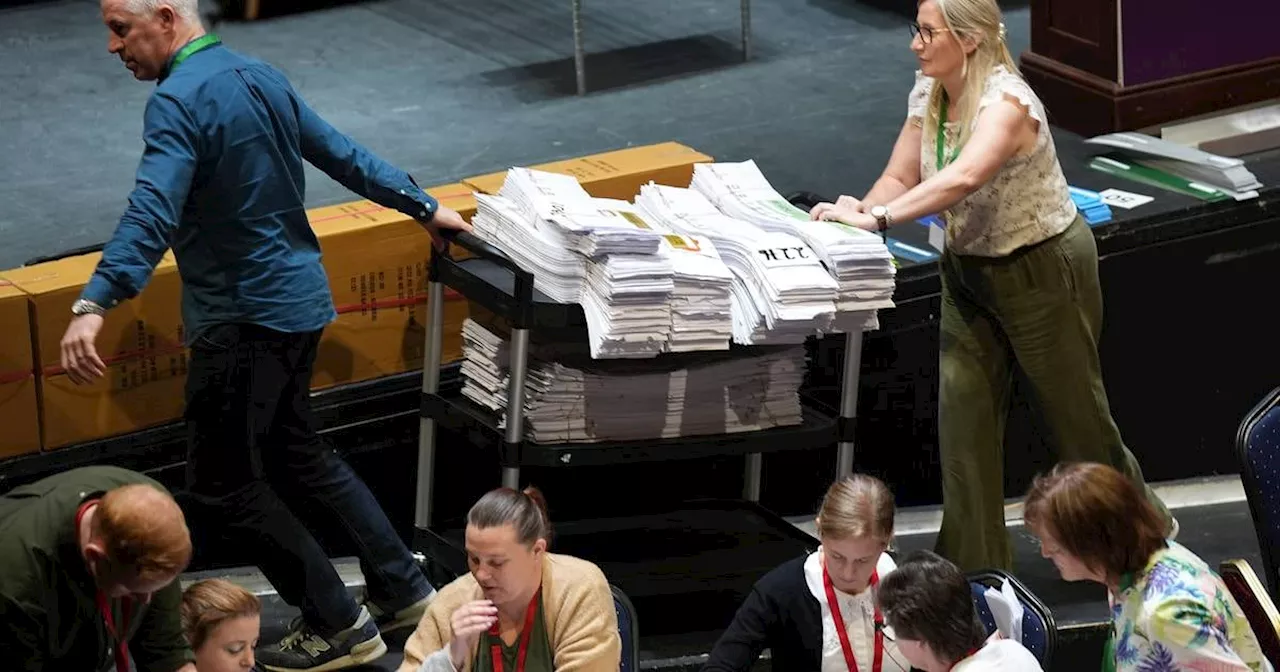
(942, 136)
(197, 45)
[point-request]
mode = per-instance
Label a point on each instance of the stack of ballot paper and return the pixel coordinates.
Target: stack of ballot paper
(701, 308)
(859, 260)
(561, 200)
(607, 261)
(570, 399)
(1091, 206)
(1187, 166)
(780, 294)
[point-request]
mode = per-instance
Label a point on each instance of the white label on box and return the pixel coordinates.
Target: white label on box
(1124, 199)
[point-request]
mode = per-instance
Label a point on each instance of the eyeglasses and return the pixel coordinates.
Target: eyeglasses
(887, 631)
(925, 32)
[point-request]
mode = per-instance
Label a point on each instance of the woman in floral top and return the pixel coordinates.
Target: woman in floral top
(1170, 611)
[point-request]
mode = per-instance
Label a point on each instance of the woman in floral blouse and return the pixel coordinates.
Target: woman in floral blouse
(1170, 611)
(1019, 268)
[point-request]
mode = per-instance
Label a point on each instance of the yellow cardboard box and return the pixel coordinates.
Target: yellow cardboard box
(141, 342)
(618, 174)
(376, 259)
(19, 404)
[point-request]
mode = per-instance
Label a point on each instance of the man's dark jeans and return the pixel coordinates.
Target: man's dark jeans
(259, 473)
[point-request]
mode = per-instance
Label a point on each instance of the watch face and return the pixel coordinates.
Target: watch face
(879, 211)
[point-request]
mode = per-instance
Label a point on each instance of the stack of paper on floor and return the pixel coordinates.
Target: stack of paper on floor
(581, 253)
(781, 292)
(572, 398)
(701, 304)
(859, 260)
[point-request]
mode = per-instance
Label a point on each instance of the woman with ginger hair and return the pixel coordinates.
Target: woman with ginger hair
(221, 620)
(1169, 609)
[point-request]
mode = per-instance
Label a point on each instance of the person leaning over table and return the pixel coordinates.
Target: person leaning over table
(89, 567)
(789, 611)
(1169, 609)
(1019, 270)
(930, 614)
(520, 608)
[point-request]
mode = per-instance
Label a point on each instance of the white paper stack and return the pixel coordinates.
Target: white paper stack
(541, 249)
(560, 200)
(701, 304)
(781, 293)
(615, 402)
(580, 252)
(859, 260)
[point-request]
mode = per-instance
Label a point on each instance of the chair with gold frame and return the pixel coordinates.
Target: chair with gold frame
(1258, 608)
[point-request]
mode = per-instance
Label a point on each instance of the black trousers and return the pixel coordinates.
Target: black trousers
(266, 481)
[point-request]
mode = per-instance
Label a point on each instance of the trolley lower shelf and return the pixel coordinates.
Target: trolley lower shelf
(458, 413)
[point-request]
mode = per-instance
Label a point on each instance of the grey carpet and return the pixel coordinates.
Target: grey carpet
(452, 88)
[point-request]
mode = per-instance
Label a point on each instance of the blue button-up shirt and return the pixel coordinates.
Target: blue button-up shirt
(221, 182)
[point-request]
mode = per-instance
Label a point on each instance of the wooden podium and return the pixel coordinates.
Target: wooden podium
(1110, 65)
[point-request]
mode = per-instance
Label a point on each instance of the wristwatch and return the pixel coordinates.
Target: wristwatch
(87, 307)
(883, 219)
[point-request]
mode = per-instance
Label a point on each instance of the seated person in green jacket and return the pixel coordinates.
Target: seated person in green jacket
(88, 574)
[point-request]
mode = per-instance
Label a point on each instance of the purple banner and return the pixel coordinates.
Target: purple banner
(1171, 38)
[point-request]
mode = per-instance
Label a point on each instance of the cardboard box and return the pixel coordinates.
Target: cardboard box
(141, 342)
(376, 259)
(19, 408)
(618, 174)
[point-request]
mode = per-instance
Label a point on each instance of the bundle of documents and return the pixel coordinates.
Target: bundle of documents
(859, 260)
(571, 399)
(780, 293)
(1186, 164)
(541, 249)
(561, 200)
(582, 254)
(701, 309)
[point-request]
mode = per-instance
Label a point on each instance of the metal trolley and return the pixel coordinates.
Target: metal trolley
(489, 278)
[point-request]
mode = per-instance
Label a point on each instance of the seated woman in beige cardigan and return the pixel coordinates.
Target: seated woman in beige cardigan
(520, 608)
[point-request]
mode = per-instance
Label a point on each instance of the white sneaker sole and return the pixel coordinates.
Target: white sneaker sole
(362, 653)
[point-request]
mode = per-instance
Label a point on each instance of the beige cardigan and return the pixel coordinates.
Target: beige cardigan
(578, 607)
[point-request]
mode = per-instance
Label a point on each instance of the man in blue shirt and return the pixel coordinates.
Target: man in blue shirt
(221, 182)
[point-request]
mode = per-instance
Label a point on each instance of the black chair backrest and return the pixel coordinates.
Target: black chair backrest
(1258, 450)
(628, 629)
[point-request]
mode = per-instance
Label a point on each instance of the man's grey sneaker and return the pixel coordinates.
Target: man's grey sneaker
(302, 650)
(401, 618)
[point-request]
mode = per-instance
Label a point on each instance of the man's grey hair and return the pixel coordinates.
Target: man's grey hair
(187, 9)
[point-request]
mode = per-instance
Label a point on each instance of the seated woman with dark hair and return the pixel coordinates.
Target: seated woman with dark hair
(929, 613)
(221, 621)
(520, 608)
(1169, 610)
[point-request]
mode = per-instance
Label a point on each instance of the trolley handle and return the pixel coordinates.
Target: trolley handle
(522, 286)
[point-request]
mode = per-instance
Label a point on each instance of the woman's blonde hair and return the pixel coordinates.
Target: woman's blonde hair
(859, 506)
(981, 21)
(209, 603)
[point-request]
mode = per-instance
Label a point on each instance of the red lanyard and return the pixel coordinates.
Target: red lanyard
(104, 608)
(878, 658)
(495, 650)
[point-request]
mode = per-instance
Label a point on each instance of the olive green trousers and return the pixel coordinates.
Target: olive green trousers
(1039, 309)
